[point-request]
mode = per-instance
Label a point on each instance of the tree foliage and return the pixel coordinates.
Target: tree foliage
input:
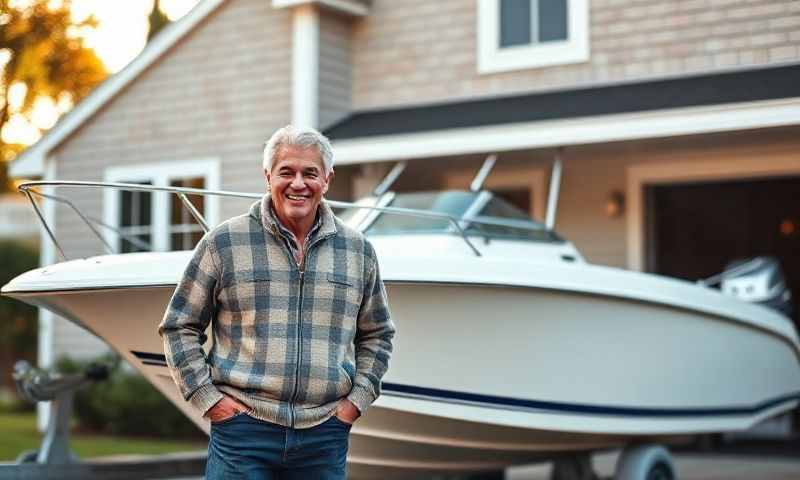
(156, 21)
(40, 48)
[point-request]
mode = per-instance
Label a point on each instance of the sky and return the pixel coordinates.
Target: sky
(120, 36)
(122, 28)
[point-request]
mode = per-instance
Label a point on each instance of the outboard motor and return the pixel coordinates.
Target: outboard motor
(758, 280)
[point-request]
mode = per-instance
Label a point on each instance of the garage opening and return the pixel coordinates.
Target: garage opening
(696, 229)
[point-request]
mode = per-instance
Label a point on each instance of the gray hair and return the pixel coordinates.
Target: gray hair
(299, 137)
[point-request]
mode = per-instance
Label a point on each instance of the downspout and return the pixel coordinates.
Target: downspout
(47, 256)
(305, 65)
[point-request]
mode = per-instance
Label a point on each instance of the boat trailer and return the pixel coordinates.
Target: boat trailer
(55, 459)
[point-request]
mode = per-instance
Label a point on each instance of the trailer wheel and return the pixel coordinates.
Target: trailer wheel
(645, 462)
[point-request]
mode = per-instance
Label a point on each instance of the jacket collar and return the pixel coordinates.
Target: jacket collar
(262, 211)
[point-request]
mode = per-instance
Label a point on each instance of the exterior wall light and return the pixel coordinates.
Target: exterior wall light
(615, 204)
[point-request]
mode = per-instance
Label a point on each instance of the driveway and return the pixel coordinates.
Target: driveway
(695, 466)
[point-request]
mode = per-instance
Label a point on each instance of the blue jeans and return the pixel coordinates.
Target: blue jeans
(243, 447)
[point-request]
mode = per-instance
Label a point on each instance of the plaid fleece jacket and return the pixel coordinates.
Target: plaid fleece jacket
(288, 343)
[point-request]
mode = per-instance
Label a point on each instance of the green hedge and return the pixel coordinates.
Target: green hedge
(125, 404)
(18, 320)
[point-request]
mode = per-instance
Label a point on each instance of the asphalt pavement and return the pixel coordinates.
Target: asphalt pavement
(735, 463)
(694, 466)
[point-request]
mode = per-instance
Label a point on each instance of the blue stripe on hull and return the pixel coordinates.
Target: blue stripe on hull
(519, 404)
(508, 403)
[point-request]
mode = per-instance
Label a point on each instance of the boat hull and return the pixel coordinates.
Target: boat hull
(484, 377)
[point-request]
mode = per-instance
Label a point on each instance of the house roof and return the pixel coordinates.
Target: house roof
(768, 83)
(760, 98)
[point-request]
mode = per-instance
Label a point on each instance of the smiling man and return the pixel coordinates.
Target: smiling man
(300, 321)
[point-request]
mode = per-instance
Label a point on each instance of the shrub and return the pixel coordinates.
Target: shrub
(11, 403)
(125, 403)
(18, 320)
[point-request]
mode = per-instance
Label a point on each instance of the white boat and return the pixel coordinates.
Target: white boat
(511, 349)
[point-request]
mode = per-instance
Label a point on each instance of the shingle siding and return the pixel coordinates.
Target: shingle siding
(417, 51)
(334, 69)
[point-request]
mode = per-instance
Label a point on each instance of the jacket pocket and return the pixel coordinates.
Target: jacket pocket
(339, 279)
(346, 294)
(241, 290)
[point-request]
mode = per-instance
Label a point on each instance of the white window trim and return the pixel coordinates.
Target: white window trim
(493, 59)
(160, 174)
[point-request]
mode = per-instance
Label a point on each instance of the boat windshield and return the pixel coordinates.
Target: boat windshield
(479, 213)
(454, 204)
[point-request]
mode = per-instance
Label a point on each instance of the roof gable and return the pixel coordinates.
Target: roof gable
(31, 162)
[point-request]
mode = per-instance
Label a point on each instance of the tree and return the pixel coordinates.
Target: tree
(41, 51)
(156, 21)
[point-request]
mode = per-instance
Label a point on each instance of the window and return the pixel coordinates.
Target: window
(518, 34)
(158, 221)
(519, 197)
(523, 186)
(184, 230)
(526, 22)
(135, 220)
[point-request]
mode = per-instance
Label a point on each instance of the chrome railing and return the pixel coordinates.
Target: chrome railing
(32, 189)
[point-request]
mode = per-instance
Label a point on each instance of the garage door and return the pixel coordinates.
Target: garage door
(695, 229)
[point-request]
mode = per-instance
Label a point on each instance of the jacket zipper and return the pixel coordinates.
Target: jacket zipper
(301, 270)
(299, 348)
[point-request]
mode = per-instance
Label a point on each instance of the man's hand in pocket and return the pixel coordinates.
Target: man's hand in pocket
(225, 409)
(347, 412)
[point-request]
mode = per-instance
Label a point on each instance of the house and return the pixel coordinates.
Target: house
(16, 222)
(678, 123)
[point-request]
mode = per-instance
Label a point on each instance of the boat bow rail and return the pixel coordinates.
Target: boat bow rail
(32, 189)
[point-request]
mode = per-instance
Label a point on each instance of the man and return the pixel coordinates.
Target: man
(300, 322)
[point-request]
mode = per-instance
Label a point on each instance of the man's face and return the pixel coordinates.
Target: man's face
(297, 182)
